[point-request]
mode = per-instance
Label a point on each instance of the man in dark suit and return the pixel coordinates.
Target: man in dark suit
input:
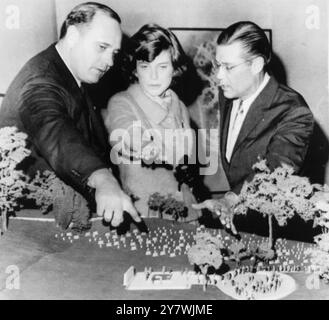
(47, 100)
(260, 118)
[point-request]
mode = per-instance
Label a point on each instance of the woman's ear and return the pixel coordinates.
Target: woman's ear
(257, 65)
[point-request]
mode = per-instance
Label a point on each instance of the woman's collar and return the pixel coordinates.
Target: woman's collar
(151, 106)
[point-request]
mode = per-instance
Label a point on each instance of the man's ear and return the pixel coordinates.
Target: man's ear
(257, 65)
(72, 35)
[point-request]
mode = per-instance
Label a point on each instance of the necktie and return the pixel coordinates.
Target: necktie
(234, 131)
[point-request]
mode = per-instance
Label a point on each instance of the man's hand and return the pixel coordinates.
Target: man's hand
(224, 208)
(110, 199)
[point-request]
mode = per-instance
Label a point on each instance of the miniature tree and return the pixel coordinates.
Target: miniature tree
(167, 205)
(173, 207)
(260, 252)
(278, 194)
(206, 253)
(320, 254)
(237, 251)
(155, 202)
(67, 204)
(40, 189)
(320, 201)
(12, 181)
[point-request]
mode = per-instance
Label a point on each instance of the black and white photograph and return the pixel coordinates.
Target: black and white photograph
(164, 155)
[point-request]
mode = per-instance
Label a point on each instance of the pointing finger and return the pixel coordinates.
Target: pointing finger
(233, 228)
(99, 209)
(117, 218)
(108, 215)
(133, 212)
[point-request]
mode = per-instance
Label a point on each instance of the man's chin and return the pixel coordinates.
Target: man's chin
(93, 80)
(228, 95)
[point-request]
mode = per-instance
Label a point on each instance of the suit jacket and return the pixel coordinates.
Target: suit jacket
(65, 132)
(278, 127)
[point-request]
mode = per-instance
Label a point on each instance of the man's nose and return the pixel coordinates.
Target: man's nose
(220, 73)
(109, 60)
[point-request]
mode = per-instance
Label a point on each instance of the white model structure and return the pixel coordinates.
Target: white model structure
(262, 285)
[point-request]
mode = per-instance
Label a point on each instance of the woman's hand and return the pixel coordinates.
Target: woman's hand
(186, 173)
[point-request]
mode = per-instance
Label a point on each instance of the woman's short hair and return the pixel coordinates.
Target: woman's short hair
(251, 36)
(83, 14)
(148, 42)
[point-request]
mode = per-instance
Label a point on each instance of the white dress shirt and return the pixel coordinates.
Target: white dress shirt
(238, 114)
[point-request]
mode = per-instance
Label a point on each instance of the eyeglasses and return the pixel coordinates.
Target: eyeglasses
(226, 67)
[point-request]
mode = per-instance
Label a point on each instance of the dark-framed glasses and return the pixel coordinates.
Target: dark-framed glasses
(226, 67)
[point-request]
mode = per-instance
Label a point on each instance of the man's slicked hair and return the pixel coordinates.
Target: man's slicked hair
(84, 13)
(252, 38)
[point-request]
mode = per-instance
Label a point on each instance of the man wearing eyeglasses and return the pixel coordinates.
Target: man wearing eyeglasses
(259, 116)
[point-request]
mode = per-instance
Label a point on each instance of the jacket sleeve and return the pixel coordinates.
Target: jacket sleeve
(291, 138)
(45, 115)
(126, 131)
(288, 144)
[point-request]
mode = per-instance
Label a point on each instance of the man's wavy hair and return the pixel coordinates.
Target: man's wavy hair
(84, 13)
(251, 36)
(147, 43)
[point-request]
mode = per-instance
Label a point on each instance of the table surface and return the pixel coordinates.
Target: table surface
(55, 268)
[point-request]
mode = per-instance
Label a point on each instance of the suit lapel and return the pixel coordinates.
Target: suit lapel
(256, 112)
(225, 107)
(95, 125)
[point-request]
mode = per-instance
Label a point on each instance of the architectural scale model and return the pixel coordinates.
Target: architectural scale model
(239, 284)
